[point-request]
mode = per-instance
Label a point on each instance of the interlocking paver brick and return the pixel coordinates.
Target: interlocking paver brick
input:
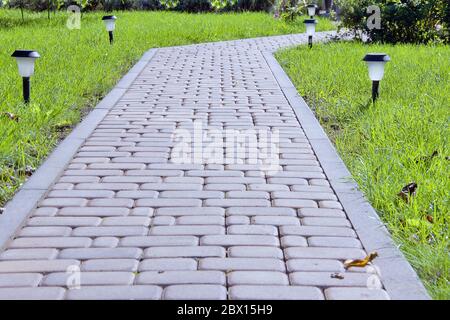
(51, 242)
(89, 278)
(252, 229)
(226, 203)
(64, 202)
(248, 194)
(157, 203)
(105, 242)
(127, 203)
(115, 293)
(44, 212)
(146, 212)
(241, 264)
(110, 265)
(88, 194)
(356, 294)
(39, 293)
(255, 252)
(11, 280)
(263, 211)
(64, 221)
(320, 212)
(317, 231)
(257, 278)
(314, 265)
(293, 241)
(326, 279)
(158, 241)
(192, 194)
(126, 221)
(225, 187)
(110, 231)
(186, 230)
(200, 220)
(330, 204)
(303, 195)
(36, 265)
(168, 264)
(237, 220)
(341, 242)
(93, 211)
(137, 194)
(45, 232)
(28, 254)
(191, 211)
(293, 203)
(235, 239)
(275, 220)
(195, 292)
(100, 253)
(253, 292)
(328, 222)
(185, 252)
(181, 277)
(324, 253)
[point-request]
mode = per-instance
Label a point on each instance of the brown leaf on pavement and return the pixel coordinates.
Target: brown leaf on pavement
(337, 275)
(360, 263)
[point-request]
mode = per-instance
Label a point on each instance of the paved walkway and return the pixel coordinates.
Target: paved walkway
(137, 225)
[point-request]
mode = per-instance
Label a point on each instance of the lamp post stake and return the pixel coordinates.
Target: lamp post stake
(25, 62)
(375, 63)
(26, 89)
(375, 90)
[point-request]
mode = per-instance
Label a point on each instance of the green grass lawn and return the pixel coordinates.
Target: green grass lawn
(403, 138)
(77, 68)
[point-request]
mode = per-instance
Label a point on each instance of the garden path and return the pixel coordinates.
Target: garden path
(126, 220)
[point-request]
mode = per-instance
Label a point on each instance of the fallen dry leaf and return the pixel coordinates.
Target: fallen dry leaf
(10, 116)
(408, 191)
(337, 275)
(427, 158)
(360, 263)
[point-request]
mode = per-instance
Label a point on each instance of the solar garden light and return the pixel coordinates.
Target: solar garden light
(25, 61)
(310, 29)
(110, 24)
(375, 62)
(311, 10)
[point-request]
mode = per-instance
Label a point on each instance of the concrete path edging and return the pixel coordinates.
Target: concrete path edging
(399, 278)
(34, 189)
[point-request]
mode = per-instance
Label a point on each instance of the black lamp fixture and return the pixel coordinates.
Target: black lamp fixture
(311, 10)
(110, 24)
(25, 61)
(310, 29)
(375, 63)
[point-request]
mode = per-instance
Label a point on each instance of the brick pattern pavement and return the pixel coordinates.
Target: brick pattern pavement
(139, 226)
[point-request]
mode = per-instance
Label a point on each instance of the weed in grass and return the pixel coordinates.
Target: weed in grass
(403, 138)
